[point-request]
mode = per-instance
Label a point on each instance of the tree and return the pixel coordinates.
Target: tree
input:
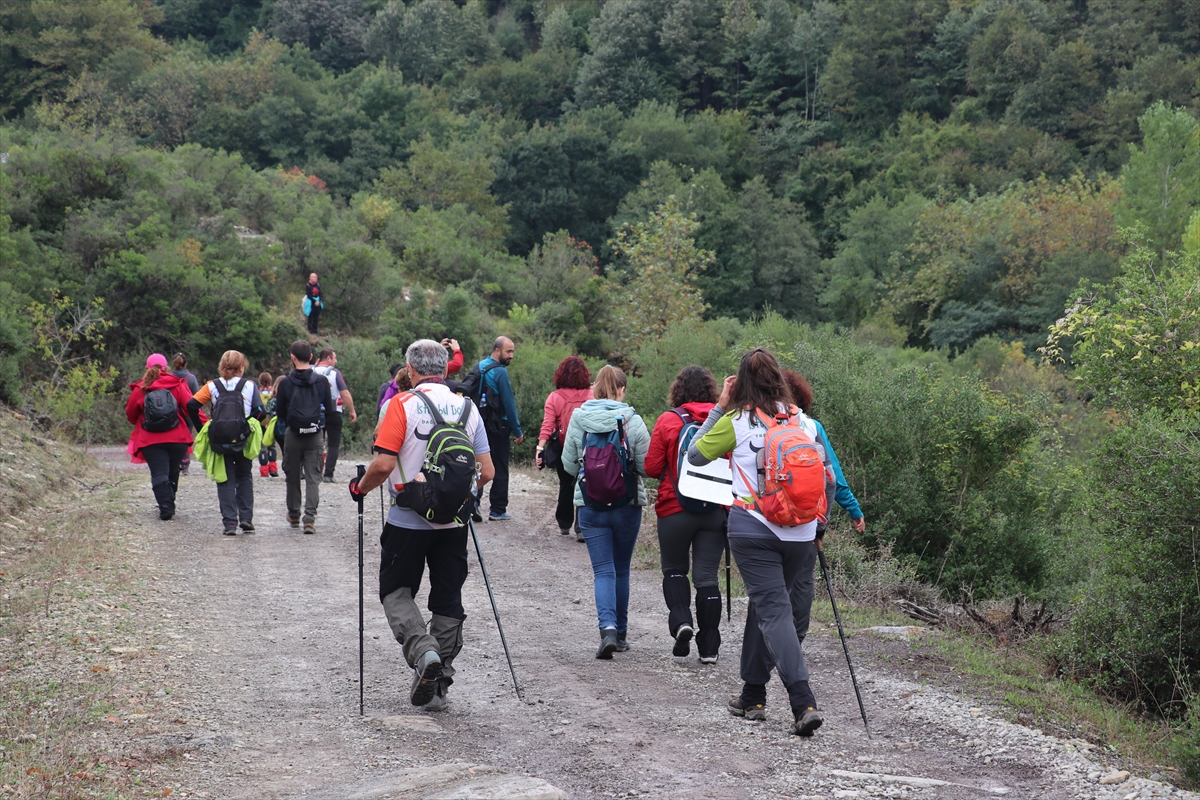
(333, 30)
(622, 68)
(429, 38)
(663, 262)
(1161, 184)
(1008, 54)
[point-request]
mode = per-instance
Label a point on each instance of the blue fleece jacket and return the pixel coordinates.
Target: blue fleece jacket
(498, 385)
(845, 498)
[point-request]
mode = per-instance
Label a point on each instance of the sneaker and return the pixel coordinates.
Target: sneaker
(807, 722)
(231, 531)
(273, 471)
(608, 644)
(501, 517)
(683, 640)
(248, 527)
(330, 479)
(709, 659)
(565, 531)
(293, 520)
(311, 527)
(622, 642)
(439, 702)
(756, 712)
(425, 678)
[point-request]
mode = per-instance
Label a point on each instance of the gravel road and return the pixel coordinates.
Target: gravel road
(257, 644)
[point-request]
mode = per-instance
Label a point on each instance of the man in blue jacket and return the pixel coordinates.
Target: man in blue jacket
(501, 421)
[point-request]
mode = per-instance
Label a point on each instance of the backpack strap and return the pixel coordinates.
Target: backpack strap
(686, 418)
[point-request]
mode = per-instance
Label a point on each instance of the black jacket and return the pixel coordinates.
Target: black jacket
(288, 386)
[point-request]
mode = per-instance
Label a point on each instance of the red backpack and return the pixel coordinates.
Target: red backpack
(794, 475)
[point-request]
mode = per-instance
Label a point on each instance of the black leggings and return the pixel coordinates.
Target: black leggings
(702, 536)
(564, 511)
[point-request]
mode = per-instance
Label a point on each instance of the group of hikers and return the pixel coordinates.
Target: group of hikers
(439, 442)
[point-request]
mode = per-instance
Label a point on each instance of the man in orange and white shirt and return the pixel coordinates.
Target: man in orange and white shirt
(409, 541)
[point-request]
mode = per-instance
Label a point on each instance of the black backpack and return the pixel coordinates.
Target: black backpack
(444, 488)
(304, 408)
(228, 429)
(491, 409)
(160, 411)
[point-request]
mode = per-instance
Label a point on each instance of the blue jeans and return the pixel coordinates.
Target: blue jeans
(610, 537)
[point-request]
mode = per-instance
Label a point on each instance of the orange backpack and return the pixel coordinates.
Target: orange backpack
(794, 475)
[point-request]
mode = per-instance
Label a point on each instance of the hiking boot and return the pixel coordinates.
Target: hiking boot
(608, 644)
(263, 471)
(231, 531)
(425, 678)
(756, 712)
(565, 531)
(439, 701)
(501, 517)
(683, 640)
(311, 527)
(273, 470)
(293, 520)
(807, 721)
(248, 527)
(166, 515)
(622, 642)
(709, 659)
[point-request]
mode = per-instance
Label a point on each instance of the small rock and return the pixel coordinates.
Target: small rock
(24, 738)
(577, 601)
(123, 651)
(1114, 778)
(1132, 796)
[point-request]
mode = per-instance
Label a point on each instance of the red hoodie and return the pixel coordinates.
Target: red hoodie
(134, 411)
(560, 405)
(664, 455)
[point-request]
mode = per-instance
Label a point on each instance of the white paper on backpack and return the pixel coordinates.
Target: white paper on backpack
(712, 483)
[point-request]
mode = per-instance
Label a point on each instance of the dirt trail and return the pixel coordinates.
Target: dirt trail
(258, 637)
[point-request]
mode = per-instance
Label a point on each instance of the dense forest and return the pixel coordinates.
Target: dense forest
(974, 224)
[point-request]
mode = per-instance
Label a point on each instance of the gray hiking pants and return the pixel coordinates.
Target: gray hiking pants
(303, 448)
(236, 494)
(779, 581)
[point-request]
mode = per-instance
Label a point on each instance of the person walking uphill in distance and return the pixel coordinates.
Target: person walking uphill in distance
(341, 400)
(313, 302)
(572, 388)
(774, 542)
(500, 420)
(688, 530)
(426, 524)
(608, 441)
(304, 403)
(160, 435)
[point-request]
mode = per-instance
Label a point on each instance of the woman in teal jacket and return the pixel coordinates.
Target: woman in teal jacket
(609, 531)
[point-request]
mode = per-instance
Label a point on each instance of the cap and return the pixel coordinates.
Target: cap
(156, 360)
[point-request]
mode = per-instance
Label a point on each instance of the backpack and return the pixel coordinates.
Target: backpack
(686, 434)
(228, 429)
(160, 411)
(304, 408)
(331, 374)
(794, 475)
(443, 489)
(475, 387)
(606, 479)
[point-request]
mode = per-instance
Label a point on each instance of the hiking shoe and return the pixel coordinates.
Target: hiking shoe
(501, 517)
(166, 515)
(263, 471)
(425, 678)
(565, 531)
(608, 644)
(248, 527)
(293, 520)
(806, 722)
(709, 659)
(622, 642)
(683, 640)
(330, 479)
(273, 471)
(579, 536)
(311, 527)
(231, 531)
(756, 712)
(439, 702)
(475, 515)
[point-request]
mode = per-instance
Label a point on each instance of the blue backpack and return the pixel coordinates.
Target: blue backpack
(606, 479)
(686, 434)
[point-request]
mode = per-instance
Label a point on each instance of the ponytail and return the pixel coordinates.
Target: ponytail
(152, 374)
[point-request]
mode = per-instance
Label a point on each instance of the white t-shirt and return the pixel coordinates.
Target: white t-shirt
(229, 384)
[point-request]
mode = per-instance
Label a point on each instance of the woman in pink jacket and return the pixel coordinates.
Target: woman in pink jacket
(572, 388)
(156, 408)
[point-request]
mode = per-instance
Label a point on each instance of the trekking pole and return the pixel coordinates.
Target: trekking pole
(487, 582)
(842, 633)
(362, 470)
(382, 513)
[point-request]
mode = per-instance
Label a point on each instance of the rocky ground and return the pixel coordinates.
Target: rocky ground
(244, 652)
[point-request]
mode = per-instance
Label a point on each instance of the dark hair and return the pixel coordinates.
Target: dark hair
(394, 368)
(760, 383)
(572, 373)
(265, 379)
(802, 393)
(152, 374)
(692, 385)
(325, 353)
(302, 350)
(178, 361)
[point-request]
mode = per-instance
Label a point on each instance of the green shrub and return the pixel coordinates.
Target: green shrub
(658, 361)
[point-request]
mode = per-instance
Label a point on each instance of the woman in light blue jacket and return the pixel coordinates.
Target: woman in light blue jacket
(610, 529)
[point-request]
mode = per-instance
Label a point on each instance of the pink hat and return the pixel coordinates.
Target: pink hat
(156, 360)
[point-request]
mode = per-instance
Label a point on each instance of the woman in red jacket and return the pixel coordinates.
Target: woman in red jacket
(572, 388)
(160, 437)
(683, 533)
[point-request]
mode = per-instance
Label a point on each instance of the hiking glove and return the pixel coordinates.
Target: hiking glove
(355, 494)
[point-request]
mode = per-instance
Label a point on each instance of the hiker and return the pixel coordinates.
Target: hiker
(272, 411)
(410, 541)
(687, 529)
(341, 400)
(303, 403)
(500, 420)
(234, 401)
(572, 388)
(608, 441)
(802, 395)
(314, 304)
(160, 436)
(387, 389)
(776, 559)
(267, 457)
(400, 375)
(179, 370)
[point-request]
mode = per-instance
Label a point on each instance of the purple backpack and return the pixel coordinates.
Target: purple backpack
(606, 478)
